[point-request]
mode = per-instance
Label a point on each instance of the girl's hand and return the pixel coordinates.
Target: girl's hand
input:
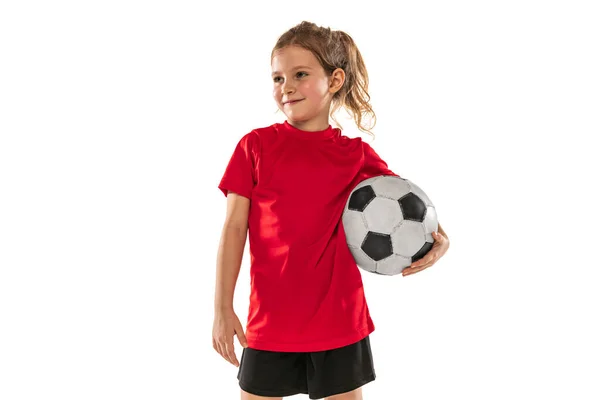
(440, 246)
(225, 326)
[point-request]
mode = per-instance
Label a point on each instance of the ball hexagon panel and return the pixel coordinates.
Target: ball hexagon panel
(408, 238)
(430, 222)
(354, 228)
(392, 187)
(393, 264)
(382, 215)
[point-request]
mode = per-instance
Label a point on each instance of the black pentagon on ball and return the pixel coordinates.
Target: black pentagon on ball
(377, 245)
(361, 198)
(422, 251)
(413, 208)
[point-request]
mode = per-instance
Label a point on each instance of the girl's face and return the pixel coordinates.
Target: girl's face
(301, 88)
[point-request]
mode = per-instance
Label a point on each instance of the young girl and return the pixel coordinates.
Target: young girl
(287, 184)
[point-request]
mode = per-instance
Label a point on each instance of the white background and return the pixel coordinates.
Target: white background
(117, 119)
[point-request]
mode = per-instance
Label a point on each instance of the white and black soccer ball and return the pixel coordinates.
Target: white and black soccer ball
(388, 223)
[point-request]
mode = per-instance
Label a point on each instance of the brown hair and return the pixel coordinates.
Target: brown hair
(336, 49)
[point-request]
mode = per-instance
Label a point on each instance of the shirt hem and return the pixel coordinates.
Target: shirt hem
(312, 346)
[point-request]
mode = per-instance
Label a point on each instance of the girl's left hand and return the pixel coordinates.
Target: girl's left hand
(440, 246)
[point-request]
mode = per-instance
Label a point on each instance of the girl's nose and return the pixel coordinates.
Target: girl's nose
(287, 88)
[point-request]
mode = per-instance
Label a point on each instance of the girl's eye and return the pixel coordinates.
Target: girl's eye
(298, 73)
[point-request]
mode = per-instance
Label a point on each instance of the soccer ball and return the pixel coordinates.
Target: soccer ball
(388, 223)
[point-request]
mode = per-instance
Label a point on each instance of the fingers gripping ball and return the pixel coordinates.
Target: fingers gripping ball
(388, 223)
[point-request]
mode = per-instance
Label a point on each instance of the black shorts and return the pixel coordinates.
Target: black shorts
(318, 374)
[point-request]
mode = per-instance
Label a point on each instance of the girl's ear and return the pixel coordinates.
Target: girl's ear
(336, 81)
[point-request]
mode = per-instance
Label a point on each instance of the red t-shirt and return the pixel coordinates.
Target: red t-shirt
(306, 289)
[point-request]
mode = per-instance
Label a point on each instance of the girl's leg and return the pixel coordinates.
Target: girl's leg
(248, 396)
(353, 395)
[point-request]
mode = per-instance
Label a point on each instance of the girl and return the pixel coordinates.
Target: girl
(286, 185)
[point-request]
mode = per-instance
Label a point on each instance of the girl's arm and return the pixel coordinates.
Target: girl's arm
(441, 231)
(231, 249)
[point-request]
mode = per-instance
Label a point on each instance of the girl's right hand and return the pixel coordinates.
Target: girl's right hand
(225, 326)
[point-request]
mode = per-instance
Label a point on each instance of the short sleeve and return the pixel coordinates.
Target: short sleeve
(373, 164)
(240, 173)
